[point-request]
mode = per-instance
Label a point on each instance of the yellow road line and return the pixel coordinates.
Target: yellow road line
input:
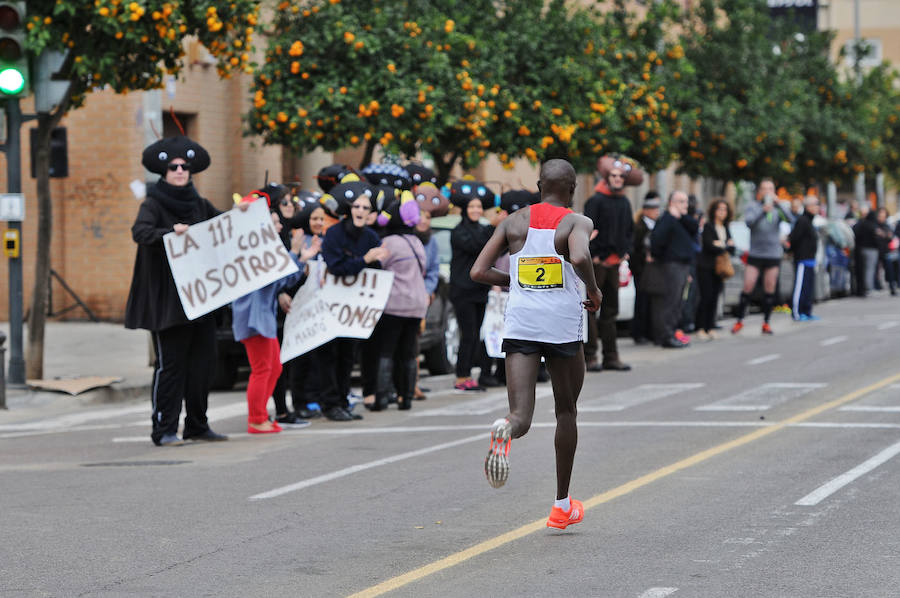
(626, 488)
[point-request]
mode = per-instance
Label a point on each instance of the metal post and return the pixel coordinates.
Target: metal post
(2, 371)
(16, 294)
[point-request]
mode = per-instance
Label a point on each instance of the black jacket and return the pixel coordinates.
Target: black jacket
(639, 250)
(709, 251)
(345, 245)
(672, 239)
(804, 238)
(864, 232)
(153, 302)
(613, 220)
(467, 240)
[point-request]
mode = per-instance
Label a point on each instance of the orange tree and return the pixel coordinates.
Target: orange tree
(396, 73)
(123, 46)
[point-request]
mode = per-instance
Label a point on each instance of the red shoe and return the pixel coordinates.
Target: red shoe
(496, 464)
(766, 329)
(562, 519)
(682, 337)
(275, 429)
(737, 327)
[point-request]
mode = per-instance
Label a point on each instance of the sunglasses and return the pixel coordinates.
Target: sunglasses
(184, 167)
(286, 202)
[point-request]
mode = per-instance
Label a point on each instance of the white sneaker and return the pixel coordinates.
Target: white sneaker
(496, 464)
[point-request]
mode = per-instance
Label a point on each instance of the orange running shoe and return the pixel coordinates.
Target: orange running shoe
(737, 327)
(766, 329)
(496, 464)
(562, 519)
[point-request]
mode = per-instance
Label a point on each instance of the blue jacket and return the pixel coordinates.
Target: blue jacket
(256, 313)
(343, 253)
(432, 265)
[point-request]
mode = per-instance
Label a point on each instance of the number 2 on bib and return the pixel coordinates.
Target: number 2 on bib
(540, 273)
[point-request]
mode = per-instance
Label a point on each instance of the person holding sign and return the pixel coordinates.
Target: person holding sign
(348, 247)
(184, 349)
(549, 262)
(255, 325)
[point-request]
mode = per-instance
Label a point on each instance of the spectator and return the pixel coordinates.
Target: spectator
(892, 260)
(883, 234)
(348, 247)
(672, 247)
(691, 300)
(644, 223)
(469, 298)
(303, 381)
(716, 241)
(395, 333)
(184, 349)
(255, 325)
(610, 211)
(763, 217)
(804, 243)
(866, 250)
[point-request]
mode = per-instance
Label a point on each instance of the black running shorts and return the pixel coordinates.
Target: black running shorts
(549, 350)
(763, 263)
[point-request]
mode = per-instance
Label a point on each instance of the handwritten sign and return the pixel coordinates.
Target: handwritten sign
(226, 257)
(329, 307)
(492, 326)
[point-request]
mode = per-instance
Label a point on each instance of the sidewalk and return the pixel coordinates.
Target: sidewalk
(77, 349)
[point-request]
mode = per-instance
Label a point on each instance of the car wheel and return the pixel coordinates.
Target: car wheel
(441, 358)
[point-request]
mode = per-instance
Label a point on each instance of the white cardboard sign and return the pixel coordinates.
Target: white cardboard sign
(492, 326)
(332, 307)
(223, 258)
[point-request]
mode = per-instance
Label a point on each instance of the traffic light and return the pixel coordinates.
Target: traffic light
(13, 60)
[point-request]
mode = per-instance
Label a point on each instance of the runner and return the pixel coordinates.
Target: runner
(548, 246)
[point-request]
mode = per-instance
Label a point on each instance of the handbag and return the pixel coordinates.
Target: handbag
(724, 267)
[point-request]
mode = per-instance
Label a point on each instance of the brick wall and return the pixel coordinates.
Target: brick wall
(94, 208)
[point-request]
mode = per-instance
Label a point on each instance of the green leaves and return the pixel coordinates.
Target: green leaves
(130, 45)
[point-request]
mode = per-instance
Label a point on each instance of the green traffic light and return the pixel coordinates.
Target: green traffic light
(11, 81)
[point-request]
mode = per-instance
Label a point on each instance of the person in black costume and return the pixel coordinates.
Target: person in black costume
(469, 298)
(185, 350)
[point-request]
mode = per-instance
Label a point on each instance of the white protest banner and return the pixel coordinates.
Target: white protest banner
(492, 325)
(226, 257)
(343, 306)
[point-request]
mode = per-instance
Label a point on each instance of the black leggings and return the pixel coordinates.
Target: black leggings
(710, 287)
(469, 316)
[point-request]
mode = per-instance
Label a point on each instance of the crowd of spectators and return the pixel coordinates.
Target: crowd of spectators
(380, 218)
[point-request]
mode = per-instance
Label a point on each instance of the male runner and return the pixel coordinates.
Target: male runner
(548, 246)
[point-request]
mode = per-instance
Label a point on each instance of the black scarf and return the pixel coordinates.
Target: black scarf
(180, 201)
(353, 232)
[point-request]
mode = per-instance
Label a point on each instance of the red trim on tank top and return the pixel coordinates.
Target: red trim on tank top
(546, 216)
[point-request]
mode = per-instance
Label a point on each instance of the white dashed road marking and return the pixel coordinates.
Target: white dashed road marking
(762, 397)
(624, 399)
(658, 592)
(833, 341)
(764, 359)
(826, 490)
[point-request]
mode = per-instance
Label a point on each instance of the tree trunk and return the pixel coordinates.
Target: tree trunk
(444, 167)
(367, 155)
(34, 360)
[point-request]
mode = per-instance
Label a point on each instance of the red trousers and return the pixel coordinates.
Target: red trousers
(265, 368)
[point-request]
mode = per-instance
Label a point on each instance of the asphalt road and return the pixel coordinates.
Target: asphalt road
(748, 466)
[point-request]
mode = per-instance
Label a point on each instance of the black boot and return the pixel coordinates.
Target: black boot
(408, 382)
(383, 383)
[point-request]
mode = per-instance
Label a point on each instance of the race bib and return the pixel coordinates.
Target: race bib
(540, 273)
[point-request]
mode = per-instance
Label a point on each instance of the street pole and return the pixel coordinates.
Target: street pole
(16, 296)
(860, 187)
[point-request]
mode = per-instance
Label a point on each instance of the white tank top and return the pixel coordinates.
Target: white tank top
(545, 293)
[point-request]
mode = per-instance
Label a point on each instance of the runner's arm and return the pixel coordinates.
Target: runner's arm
(483, 270)
(580, 258)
